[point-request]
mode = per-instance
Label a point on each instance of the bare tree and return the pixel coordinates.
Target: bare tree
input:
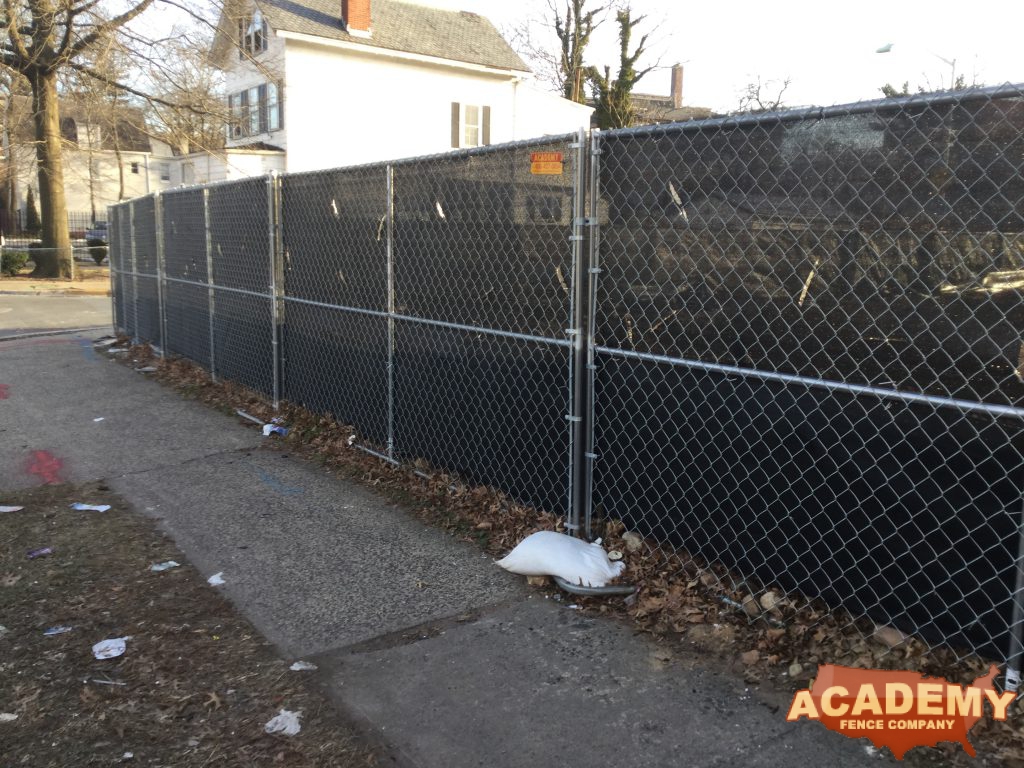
(556, 45)
(43, 38)
(764, 96)
(190, 112)
(613, 98)
(574, 32)
(105, 114)
(532, 40)
(18, 147)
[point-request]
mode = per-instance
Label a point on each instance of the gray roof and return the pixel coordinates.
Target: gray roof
(454, 35)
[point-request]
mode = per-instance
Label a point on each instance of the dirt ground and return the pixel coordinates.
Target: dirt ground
(196, 684)
(90, 280)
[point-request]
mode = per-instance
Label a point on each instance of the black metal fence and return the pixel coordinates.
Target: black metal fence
(787, 343)
(15, 225)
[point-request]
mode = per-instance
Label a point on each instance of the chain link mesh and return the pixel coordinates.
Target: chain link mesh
(483, 273)
(186, 289)
(804, 330)
(808, 345)
(118, 266)
(147, 298)
(127, 252)
(335, 235)
(241, 235)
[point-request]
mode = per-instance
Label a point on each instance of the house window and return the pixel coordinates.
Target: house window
(471, 125)
(135, 167)
(165, 171)
(252, 35)
(273, 108)
(254, 111)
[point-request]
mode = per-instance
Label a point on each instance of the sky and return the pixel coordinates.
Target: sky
(826, 49)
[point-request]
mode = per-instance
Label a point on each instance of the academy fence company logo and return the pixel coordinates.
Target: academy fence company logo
(898, 710)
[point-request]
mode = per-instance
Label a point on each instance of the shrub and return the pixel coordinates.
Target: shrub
(12, 262)
(97, 249)
(32, 222)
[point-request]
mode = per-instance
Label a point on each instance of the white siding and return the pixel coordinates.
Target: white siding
(343, 106)
(347, 108)
(542, 113)
(202, 168)
(102, 189)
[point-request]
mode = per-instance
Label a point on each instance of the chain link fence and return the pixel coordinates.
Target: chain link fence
(785, 344)
(808, 343)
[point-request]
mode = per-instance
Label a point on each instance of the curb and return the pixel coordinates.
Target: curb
(55, 332)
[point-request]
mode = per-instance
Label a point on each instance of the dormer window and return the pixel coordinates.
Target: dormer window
(252, 35)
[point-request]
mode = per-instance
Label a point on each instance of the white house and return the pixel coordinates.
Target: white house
(343, 82)
(225, 164)
(107, 156)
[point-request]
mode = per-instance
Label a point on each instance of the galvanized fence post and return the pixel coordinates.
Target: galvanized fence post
(113, 240)
(276, 281)
(211, 298)
(124, 248)
(577, 357)
(1015, 655)
(593, 224)
(390, 229)
(135, 273)
(158, 226)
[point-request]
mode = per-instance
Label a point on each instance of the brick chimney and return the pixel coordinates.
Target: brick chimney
(355, 15)
(677, 86)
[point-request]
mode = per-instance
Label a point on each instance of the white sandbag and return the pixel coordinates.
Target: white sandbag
(547, 553)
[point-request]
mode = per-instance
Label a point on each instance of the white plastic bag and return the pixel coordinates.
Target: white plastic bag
(547, 553)
(109, 649)
(284, 722)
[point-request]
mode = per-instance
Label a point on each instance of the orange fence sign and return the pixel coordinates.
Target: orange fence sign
(546, 163)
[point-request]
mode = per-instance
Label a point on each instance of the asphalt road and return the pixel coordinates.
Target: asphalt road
(23, 314)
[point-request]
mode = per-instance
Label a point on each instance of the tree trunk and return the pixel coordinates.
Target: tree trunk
(120, 171)
(54, 260)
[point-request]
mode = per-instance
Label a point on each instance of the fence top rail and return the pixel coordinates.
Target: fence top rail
(990, 93)
(455, 154)
(183, 188)
(490, 149)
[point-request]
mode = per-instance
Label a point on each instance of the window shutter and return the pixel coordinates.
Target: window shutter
(455, 125)
(485, 129)
(264, 119)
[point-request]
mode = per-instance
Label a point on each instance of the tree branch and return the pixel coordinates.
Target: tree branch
(102, 29)
(98, 76)
(13, 33)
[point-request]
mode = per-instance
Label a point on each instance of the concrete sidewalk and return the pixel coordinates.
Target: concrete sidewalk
(445, 658)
